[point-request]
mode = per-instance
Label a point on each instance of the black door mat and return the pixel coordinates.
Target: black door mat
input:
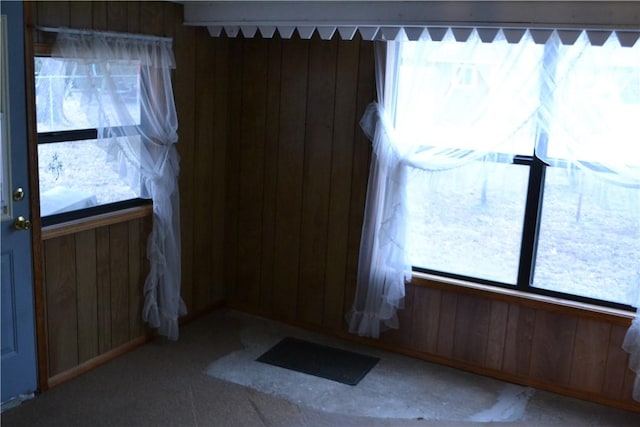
(321, 361)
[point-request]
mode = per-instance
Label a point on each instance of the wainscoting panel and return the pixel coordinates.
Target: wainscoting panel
(94, 282)
(542, 343)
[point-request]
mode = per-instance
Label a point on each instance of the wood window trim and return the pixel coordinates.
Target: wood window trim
(527, 299)
(90, 222)
(96, 221)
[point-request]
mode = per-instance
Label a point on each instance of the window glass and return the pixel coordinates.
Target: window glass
(468, 221)
(76, 172)
(466, 97)
(589, 241)
(76, 175)
(64, 100)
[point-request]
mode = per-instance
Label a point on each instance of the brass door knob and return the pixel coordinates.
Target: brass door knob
(21, 223)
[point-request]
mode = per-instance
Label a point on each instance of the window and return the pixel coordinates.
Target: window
(76, 170)
(538, 206)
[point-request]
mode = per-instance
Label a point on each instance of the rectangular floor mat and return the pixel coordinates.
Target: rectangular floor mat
(319, 360)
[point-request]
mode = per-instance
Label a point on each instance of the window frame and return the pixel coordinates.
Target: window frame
(79, 135)
(528, 248)
(531, 226)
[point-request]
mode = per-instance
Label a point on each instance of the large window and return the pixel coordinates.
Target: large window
(76, 167)
(540, 208)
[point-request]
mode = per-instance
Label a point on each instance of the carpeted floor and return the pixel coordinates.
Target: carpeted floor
(210, 378)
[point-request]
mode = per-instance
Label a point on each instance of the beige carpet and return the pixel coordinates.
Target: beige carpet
(209, 378)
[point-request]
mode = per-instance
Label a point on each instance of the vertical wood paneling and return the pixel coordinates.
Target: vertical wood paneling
(99, 15)
(232, 167)
(61, 294)
(590, 355)
(170, 10)
(117, 16)
(316, 179)
(290, 173)
(553, 336)
(87, 304)
(447, 324)
(472, 326)
(136, 250)
(344, 113)
(270, 173)
(94, 282)
(616, 366)
(53, 13)
(251, 173)
(104, 289)
(426, 319)
(290, 154)
(218, 170)
(496, 334)
(519, 339)
(119, 268)
(81, 14)
(133, 17)
(152, 17)
(201, 213)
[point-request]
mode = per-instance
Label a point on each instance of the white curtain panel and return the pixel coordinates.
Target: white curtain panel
(418, 125)
(139, 137)
(540, 94)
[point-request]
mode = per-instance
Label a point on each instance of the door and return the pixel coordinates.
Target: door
(17, 304)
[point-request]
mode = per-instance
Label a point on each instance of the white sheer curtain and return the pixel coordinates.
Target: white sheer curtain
(383, 266)
(419, 123)
(139, 136)
(577, 104)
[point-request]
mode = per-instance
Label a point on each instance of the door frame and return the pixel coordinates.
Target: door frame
(34, 183)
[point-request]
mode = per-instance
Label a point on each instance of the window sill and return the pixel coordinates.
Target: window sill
(557, 305)
(96, 221)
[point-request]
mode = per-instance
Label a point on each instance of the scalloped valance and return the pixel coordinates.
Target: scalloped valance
(416, 20)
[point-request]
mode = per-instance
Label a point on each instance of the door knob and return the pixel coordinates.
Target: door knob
(21, 223)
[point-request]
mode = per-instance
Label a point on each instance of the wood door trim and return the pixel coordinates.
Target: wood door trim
(34, 200)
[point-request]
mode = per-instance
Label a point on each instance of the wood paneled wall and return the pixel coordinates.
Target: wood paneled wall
(535, 342)
(296, 174)
(93, 279)
(94, 290)
(296, 171)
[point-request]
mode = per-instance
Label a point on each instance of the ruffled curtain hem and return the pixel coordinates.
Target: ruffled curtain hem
(166, 325)
(366, 324)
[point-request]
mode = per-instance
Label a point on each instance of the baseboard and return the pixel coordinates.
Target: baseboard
(453, 363)
(97, 361)
(119, 351)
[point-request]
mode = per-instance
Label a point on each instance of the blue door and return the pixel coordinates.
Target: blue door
(17, 304)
